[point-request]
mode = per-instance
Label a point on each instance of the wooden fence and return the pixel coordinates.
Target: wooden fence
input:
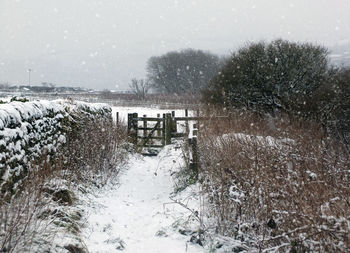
(156, 132)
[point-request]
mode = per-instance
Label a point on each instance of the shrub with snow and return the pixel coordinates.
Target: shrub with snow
(286, 193)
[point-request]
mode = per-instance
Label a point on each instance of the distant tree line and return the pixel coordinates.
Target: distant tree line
(181, 72)
(186, 71)
(277, 77)
(44, 88)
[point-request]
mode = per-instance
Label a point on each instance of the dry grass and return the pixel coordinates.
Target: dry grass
(93, 152)
(18, 217)
(286, 193)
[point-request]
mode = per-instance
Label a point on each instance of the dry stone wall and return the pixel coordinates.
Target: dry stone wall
(28, 130)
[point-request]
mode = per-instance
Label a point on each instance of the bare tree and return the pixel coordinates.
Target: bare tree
(139, 87)
(183, 72)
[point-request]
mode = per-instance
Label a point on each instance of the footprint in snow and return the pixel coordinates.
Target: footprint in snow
(119, 243)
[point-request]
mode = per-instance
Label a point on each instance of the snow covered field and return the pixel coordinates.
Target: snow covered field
(137, 215)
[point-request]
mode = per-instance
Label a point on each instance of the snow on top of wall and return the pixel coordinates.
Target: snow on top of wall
(95, 107)
(16, 112)
(8, 114)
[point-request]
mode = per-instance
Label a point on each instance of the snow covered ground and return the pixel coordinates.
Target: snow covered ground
(137, 215)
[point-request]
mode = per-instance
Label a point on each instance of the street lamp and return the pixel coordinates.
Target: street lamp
(29, 70)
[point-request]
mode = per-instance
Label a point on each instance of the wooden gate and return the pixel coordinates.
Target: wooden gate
(156, 132)
(152, 132)
(147, 132)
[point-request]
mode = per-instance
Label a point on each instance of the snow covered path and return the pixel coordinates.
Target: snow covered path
(137, 215)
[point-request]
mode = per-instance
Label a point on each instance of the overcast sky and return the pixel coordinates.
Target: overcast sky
(104, 43)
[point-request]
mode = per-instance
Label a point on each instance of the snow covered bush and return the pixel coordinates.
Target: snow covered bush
(335, 112)
(275, 186)
(285, 77)
(271, 77)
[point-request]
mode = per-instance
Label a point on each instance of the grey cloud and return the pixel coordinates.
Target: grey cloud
(105, 43)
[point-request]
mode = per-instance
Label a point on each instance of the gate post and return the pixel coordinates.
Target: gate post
(194, 163)
(186, 122)
(163, 129)
(133, 127)
(168, 127)
(144, 126)
(129, 122)
(173, 122)
(195, 153)
(117, 118)
(158, 131)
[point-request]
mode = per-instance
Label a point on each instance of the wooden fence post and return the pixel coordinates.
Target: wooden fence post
(144, 126)
(117, 118)
(168, 128)
(129, 122)
(158, 131)
(134, 126)
(173, 122)
(195, 154)
(164, 129)
(186, 122)
(194, 164)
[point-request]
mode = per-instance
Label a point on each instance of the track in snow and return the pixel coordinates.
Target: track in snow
(136, 216)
